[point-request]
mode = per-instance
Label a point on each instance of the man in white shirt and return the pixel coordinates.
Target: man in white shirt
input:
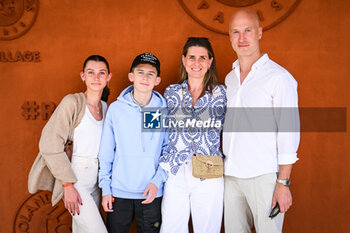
(261, 133)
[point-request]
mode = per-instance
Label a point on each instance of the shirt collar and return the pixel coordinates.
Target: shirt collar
(187, 95)
(235, 64)
(261, 61)
(258, 64)
(184, 85)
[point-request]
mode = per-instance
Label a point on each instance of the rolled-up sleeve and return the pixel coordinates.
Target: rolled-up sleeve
(287, 118)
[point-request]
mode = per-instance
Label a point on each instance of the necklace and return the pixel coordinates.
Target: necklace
(95, 108)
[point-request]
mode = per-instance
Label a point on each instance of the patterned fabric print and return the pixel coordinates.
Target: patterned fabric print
(206, 139)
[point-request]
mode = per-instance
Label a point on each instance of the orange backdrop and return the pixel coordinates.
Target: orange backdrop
(312, 43)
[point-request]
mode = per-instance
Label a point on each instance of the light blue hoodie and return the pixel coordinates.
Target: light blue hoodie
(129, 157)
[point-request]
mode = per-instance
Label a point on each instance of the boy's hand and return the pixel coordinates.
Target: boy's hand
(107, 203)
(152, 191)
(72, 200)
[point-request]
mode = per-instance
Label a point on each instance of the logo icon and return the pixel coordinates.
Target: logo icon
(17, 17)
(152, 119)
(214, 15)
(37, 215)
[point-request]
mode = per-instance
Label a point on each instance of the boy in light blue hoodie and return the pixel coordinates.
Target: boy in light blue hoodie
(129, 175)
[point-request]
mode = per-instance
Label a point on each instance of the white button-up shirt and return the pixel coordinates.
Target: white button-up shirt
(255, 142)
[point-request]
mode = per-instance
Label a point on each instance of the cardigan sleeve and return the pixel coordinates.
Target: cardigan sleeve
(54, 137)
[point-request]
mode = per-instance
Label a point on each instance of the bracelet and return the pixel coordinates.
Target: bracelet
(67, 185)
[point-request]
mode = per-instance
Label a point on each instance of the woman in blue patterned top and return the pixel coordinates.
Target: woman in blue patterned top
(196, 108)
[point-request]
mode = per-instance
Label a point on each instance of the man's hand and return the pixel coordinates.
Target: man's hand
(107, 203)
(152, 191)
(72, 200)
(283, 196)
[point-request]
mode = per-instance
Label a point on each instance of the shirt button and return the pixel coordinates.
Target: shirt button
(186, 162)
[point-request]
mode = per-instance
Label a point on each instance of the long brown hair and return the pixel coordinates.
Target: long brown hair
(211, 77)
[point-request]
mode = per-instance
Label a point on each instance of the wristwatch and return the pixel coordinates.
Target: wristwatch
(285, 182)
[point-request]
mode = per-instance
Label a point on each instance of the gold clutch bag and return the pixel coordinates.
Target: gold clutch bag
(207, 166)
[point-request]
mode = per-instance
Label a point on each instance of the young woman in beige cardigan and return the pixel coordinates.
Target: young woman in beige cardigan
(80, 117)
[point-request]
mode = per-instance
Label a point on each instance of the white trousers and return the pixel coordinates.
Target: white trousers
(247, 202)
(89, 220)
(184, 195)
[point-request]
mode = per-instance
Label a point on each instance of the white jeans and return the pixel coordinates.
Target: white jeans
(89, 220)
(184, 195)
(249, 201)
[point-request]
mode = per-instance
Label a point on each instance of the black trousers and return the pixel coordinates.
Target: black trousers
(147, 216)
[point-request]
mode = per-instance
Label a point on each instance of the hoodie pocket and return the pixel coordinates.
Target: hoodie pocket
(133, 173)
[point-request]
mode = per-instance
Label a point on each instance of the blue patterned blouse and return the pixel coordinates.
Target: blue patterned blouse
(202, 123)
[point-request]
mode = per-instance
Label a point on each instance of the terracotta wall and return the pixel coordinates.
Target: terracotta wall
(312, 43)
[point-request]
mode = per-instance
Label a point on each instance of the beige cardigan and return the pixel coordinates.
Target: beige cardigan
(51, 166)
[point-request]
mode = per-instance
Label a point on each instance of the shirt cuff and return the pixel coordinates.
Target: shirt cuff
(160, 177)
(285, 159)
(106, 190)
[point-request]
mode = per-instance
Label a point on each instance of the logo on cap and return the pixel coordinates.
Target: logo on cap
(146, 58)
(149, 57)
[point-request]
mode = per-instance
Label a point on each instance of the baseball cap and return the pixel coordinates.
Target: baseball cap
(146, 58)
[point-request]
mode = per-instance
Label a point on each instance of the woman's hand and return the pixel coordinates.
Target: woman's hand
(72, 200)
